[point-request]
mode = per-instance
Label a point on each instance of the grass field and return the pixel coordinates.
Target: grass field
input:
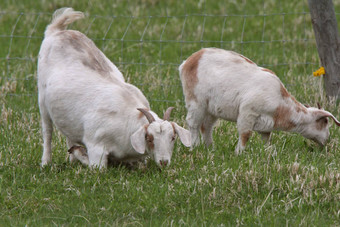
(291, 182)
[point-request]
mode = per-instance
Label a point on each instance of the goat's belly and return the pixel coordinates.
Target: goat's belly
(228, 113)
(125, 156)
(73, 132)
(67, 122)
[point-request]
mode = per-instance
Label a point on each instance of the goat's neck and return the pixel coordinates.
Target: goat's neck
(298, 115)
(289, 115)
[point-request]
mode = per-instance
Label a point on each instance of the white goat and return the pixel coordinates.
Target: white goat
(224, 84)
(85, 96)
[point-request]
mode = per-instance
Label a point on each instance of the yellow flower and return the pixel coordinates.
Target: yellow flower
(319, 72)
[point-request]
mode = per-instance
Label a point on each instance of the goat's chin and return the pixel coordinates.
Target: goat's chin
(163, 163)
(321, 144)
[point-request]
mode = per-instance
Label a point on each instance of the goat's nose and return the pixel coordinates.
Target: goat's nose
(163, 162)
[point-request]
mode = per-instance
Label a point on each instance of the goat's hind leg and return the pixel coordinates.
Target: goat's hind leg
(47, 130)
(194, 119)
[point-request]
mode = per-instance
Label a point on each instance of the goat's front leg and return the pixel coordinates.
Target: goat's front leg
(242, 141)
(207, 129)
(97, 156)
(245, 124)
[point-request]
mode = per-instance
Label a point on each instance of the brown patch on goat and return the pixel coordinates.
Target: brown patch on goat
(247, 59)
(245, 137)
(91, 56)
(202, 128)
(298, 106)
(268, 70)
(282, 119)
(81, 149)
(189, 72)
(71, 150)
(149, 140)
(284, 92)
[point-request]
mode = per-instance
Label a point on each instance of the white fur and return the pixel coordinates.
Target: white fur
(231, 87)
(85, 96)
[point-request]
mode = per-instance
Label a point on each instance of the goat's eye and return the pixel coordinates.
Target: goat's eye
(323, 120)
(173, 138)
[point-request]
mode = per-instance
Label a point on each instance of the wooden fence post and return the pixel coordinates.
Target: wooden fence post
(328, 44)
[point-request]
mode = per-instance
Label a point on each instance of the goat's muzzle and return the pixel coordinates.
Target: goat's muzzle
(163, 163)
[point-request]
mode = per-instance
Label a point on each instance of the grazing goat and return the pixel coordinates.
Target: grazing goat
(224, 84)
(85, 96)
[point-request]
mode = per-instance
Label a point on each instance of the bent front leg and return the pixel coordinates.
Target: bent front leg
(79, 153)
(97, 156)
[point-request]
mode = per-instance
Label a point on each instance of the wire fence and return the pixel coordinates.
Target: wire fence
(136, 44)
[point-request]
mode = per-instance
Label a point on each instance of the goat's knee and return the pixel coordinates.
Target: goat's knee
(243, 139)
(78, 153)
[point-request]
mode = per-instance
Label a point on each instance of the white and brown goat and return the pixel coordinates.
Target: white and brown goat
(85, 96)
(223, 84)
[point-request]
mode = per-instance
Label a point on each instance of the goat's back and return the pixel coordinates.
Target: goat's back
(224, 81)
(70, 51)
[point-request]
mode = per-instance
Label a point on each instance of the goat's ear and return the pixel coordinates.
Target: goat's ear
(138, 140)
(322, 113)
(183, 134)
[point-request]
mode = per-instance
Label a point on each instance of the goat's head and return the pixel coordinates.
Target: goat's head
(158, 137)
(317, 127)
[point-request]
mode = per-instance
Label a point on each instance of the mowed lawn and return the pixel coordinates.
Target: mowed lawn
(290, 182)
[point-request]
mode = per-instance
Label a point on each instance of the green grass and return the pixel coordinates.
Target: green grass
(291, 182)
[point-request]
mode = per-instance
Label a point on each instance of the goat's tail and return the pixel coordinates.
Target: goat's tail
(61, 18)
